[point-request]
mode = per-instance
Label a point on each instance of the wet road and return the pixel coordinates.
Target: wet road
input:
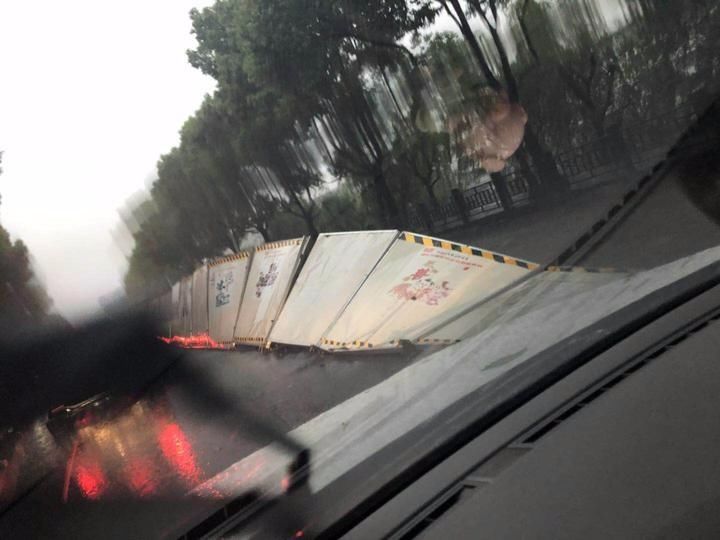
(126, 471)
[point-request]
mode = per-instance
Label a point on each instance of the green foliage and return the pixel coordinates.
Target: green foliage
(342, 209)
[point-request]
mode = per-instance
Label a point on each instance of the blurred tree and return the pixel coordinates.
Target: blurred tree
(426, 157)
(267, 118)
(300, 63)
(23, 300)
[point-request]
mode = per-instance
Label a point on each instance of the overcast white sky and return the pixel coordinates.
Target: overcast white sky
(91, 94)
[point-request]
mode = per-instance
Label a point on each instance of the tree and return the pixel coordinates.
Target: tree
(426, 156)
(299, 63)
(359, 148)
(268, 121)
(209, 141)
(23, 300)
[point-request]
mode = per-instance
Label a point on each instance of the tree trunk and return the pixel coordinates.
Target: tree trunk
(395, 101)
(526, 34)
(548, 172)
(541, 157)
(387, 206)
(310, 224)
(430, 190)
(512, 87)
(425, 216)
(306, 214)
(461, 205)
(534, 190)
(472, 40)
(380, 201)
(502, 191)
(232, 237)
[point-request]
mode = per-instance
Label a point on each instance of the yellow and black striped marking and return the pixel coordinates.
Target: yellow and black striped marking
(428, 241)
(642, 186)
(234, 257)
(279, 244)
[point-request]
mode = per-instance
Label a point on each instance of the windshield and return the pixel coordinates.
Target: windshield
(337, 218)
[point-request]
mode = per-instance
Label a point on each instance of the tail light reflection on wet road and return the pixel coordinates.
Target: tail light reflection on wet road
(90, 479)
(144, 451)
(179, 453)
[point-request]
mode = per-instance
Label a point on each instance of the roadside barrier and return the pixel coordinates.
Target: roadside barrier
(226, 283)
(359, 290)
(419, 281)
(272, 271)
(338, 264)
(420, 289)
(199, 307)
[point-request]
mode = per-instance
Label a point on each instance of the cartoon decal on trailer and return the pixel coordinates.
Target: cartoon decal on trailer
(420, 286)
(266, 279)
(222, 295)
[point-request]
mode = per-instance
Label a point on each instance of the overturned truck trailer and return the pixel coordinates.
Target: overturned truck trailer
(272, 271)
(356, 291)
(226, 283)
(337, 266)
(419, 282)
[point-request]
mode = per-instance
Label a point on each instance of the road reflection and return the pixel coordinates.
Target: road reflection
(140, 452)
(137, 452)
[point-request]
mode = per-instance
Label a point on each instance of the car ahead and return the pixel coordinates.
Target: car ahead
(63, 420)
